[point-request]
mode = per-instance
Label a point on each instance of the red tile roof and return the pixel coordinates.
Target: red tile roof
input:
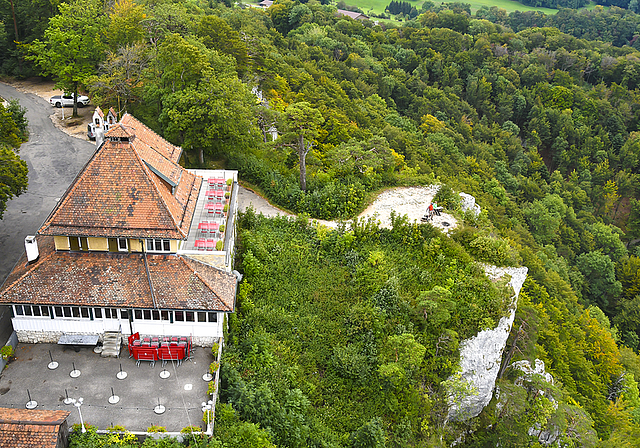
(118, 280)
(127, 190)
(152, 139)
(100, 112)
(22, 428)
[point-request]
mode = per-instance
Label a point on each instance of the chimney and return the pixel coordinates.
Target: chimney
(31, 245)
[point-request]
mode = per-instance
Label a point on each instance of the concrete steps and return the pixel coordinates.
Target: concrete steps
(111, 344)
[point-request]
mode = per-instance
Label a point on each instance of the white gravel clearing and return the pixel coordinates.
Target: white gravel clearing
(409, 201)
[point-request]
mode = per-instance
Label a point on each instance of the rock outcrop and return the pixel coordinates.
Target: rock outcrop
(468, 202)
(481, 355)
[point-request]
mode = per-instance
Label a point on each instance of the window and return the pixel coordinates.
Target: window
(137, 314)
(98, 313)
(84, 312)
(110, 313)
(66, 311)
(75, 311)
(164, 315)
(202, 316)
(36, 311)
(27, 310)
(146, 314)
(78, 243)
(45, 310)
(189, 316)
(158, 245)
(123, 245)
(179, 316)
(124, 314)
(58, 311)
(213, 317)
(19, 310)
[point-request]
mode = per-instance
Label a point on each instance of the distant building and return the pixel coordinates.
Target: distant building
(354, 15)
(125, 248)
(265, 4)
(22, 428)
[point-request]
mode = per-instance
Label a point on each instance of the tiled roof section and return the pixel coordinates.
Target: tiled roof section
(117, 130)
(352, 14)
(118, 195)
(100, 112)
(169, 151)
(22, 428)
(169, 170)
(9, 415)
(118, 280)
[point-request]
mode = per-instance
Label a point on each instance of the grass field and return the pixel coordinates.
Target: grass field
(378, 6)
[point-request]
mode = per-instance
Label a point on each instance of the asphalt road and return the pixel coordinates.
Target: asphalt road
(54, 159)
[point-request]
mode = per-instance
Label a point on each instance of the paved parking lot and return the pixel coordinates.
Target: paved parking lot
(182, 393)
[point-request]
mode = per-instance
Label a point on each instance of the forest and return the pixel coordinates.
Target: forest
(350, 337)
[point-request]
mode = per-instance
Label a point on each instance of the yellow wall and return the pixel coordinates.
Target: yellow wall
(174, 246)
(61, 242)
(98, 244)
(135, 245)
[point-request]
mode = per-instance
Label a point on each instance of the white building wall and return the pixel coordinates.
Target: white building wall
(45, 329)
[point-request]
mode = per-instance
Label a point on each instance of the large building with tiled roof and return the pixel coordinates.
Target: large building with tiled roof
(125, 248)
(22, 428)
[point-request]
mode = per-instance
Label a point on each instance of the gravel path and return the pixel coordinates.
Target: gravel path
(410, 201)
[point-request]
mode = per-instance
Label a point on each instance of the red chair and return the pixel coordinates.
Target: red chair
(211, 244)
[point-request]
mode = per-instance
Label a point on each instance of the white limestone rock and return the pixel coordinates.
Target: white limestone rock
(481, 355)
(468, 202)
(525, 367)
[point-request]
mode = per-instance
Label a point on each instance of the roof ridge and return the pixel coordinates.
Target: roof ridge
(148, 129)
(202, 279)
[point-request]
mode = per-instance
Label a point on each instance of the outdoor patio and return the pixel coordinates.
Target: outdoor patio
(182, 393)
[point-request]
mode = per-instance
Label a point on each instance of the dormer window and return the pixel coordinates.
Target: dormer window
(123, 245)
(158, 245)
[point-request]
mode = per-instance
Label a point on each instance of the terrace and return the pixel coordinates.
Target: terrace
(181, 393)
(211, 235)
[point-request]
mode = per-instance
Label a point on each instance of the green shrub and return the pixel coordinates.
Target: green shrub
(213, 367)
(190, 429)
(226, 208)
(214, 350)
(207, 416)
(6, 352)
(222, 227)
(211, 387)
(229, 182)
(156, 428)
(445, 197)
(219, 245)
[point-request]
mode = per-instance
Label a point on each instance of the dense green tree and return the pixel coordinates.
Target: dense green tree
(72, 45)
(13, 170)
(303, 122)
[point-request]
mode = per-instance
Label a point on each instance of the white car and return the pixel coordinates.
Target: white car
(67, 100)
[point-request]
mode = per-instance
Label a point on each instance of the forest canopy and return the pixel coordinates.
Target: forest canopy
(535, 116)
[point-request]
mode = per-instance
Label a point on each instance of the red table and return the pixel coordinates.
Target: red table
(211, 244)
(216, 182)
(214, 207)
(201, 244)
(218, 194)
(208, 226)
